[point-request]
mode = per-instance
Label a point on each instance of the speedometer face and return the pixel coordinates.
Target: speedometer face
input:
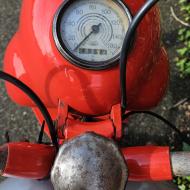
(90, 33)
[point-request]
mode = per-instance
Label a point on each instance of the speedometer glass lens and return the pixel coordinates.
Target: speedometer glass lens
(90, 33)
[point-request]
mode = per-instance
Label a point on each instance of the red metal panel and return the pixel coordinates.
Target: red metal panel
(148, 163)
(34, 59)
(74, 128)
(33, 161)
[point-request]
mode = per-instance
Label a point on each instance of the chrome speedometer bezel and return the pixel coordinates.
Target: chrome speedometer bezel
(73, 59)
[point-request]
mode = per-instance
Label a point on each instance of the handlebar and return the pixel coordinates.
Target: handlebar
(26, 160)
(156, 163)
(147, 163)
(180, 162)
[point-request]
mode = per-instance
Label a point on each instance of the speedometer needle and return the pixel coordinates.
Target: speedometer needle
(95, 30)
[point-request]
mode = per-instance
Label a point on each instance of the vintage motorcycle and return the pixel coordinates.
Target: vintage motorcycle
(84, 67)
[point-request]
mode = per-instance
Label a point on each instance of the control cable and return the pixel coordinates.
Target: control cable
(182, 136)
(37, 101)
(126, 48)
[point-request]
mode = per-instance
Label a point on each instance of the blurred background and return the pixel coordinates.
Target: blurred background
(21, 124)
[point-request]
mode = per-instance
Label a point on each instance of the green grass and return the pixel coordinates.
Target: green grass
(183, 58)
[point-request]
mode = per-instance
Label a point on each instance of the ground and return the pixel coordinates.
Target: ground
(21, 123)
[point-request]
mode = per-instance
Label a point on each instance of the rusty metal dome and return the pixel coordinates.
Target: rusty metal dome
(89, 162)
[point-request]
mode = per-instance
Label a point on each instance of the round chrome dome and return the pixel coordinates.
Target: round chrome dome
(89, 162)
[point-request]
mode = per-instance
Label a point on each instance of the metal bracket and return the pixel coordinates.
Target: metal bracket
(62, 116)
(117, 120)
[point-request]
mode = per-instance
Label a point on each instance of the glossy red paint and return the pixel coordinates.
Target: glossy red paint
(149, 163)
(74, 128)
(34, 59)
(33, 161)
(69, 126)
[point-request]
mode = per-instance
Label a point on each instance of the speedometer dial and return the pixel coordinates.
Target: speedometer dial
(90, 33)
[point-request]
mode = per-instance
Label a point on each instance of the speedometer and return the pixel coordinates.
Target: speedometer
(90, 33)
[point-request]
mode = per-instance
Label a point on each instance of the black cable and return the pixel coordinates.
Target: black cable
(37, 101)
(126, 48)
(172, 126)
(40, 138)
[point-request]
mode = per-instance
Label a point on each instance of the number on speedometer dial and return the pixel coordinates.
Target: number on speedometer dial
(90, 33)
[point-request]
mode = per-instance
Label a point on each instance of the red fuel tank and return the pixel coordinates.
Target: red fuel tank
(33, 57)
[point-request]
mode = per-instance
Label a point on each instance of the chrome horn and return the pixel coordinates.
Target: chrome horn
(89, 162)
